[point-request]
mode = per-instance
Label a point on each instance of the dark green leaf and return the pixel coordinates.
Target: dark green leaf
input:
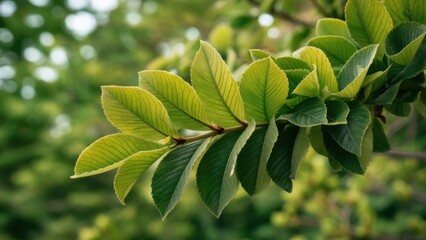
(309, 113)
(380, 140)
(337, 112)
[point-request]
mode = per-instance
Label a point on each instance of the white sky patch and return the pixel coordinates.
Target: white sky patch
(77, 4)
(33, 54)
(274, 33)
(59, 56)
(149, 7)
(5, 35)
(265, 20)
(34, 20)
(81, 24)
(87, 52)
(61, 126)
(7, 72)
(46, 39)
(133, 18)
(28, 92)
(103, 5)
(39, 3)
(192, 33)
(7, 8)
(46, 74)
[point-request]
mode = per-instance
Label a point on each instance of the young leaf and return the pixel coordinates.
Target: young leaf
(172, 174)
(264, 89)
(380, 140)
(182, 103)
(257, 54)
(310, 112)
(136, 112)
(415, 67)
(403, 42)
(316, 57)
(110, 152)
(352, 75)
(133, 167)
(349, 136)
(295, 77)
(285, 153)
(333, 26)
(337, 154)
(216, 178)
(338, 49)
(407, 10)
(252, 160)
(309, 86)
(368, 22)
(291, 63)
(337, 112)
(216, 87)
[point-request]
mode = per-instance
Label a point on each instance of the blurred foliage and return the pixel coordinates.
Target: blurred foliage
(55, 54)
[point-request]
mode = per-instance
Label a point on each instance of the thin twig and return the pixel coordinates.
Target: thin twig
(406, 154)
(284, 16)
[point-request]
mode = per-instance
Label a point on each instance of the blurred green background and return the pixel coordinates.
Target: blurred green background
(55, 55)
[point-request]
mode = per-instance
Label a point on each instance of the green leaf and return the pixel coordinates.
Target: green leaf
(216, 178)
(403, 42)
(309, 86)
(380, 140)
(316, 139)
(333, 26)
(355, 70)
(367, 148)
(295, 77)
(317, 58)
(301, 146)
(386, 96)
(421, 103)
(136, 112)
(407, 10)
(415, 67)
(171, 175)
(291, 63)
(337, 112)
(368, 22)
(133, 167)
(252, 160)
(257, 54)
(338, 49)
(337, 154)
(349, 136)
(285, 153)
(216, 87)
(309, 113)
(182, 103)
(264, 89)
(399, 109)
(110, 152)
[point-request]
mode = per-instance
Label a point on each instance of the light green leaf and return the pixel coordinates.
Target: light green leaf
(252, 160)
(285, 153)
(368, 22)
(136, 112)
(216, 87)
(264, 89)
(339, 155)
(301, 146)
(380, 140)
(415, 67)
(333, 26)
(338, 49)
(182, 103)
(257, 54)
(291, 63)
(295, 77)
(133, 167)
(349, 136)
(316, 57)
(309, 86)
(352, 75)
(337, 112)
(310, 112)
(110, 152)
(407, 10)
(403, 42)
(216, 178)
(171, 175)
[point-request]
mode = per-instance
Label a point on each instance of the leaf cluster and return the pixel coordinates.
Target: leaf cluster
(330, 94)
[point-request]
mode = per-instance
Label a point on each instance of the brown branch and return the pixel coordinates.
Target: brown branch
(284, 16)
(406, 154)
(320, 8)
